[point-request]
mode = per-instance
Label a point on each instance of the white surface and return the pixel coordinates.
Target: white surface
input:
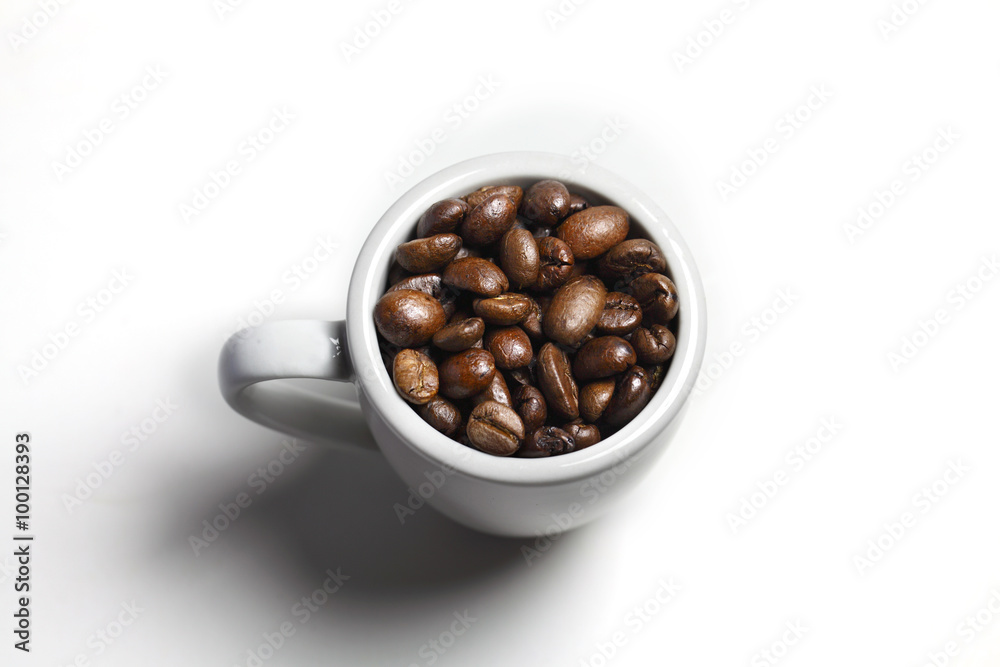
(323, 175)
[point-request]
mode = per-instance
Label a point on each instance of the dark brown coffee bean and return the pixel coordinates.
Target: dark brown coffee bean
(460, 335)
(397, 273)
(476, 275)
(622, 315)
(632, 394)
(503, 311)
(542, 232)
(510, 347)
(530, 405)
(575, 310)
(602, 358)
(584, 435)
(467, 373)
(466, 251)
(556, 264)
(519, 258)
(555, 379)
(532, 322)
(428, 254)
(546, 203)
(657, 295)
(442, 415)
(630, 259)
(430, 283)
(495, 429)
(408, 318)
(577, 204)
(592, 232)
(479, 196)
(489, 221)
(546, 441)
(657, 373)
(442, 218)
(524, 376)
(415, 376)
(594, 399)
(654, 345)
(497, 391)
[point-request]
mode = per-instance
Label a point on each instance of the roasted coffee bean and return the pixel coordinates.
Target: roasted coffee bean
(575, 310)
(594, 399)
(577, 204)
(467, 373)
(442, 415)
(428, 254)
(579, 269)
(632, 394)
(510, 347)
(442, 217)
(397, 273)
(415, 376)
(532, 322)
(524, 376)
(657, 295)
(556, 263)
(460, 335)
(546, 441)
(584, 435)
(592, 232)
(530, 405)
(519, 258)
(654, 345)
(430, 283)
(555, 379)
(546, 203)
(657, 373)
(495, 429)
(542, 232)
(489, 221)
(497, 391)
(479, 196)
(476, 275)
(504, 310)
(408, 318)
(630, 259)
(466, 251)
(602, 358)
(622, 315)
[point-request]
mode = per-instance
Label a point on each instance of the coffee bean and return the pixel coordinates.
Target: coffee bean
(603, 357)
(656, 373)
(408, 318)
(442, 218)
(621, 316)
(489, 221)
(630, 259)
(519, 258)
(497, 391)
(442, 415)
(530, 405)
(524, 376)
(397, 273)
(555, 379)
(542, 232)
(584, 435)
(504, 310)
(546, 441)
(575, 310)
(556, 264)
(466, 251)
(654, 345)
(657, 295)
(481, 195)
(415, 376)
(546, 203)
(428, 254)
(476, 275)
(594, 399)
(632, 393)
(577, 204)
(532, 322)
(428, 283)
(467, 373)
(460, 335)
(510, 347)
(495, 429)
(592, 232)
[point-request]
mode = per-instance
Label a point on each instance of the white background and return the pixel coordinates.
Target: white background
(682, 129)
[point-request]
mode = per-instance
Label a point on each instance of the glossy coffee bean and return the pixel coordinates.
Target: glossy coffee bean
(504, 310)
(583, 434)
(408, 318)
(630, 259)
(575, 309)
(594, 231)
(428, 254)
(556, 263)
(594, 399)
(546, 441)
(603, 357)
(546, 203)
(467, 373)
(632, 393)
(460, 335)
(532, 322)
(654, 345)
(519, 258)
(657, 295)
(524, 376)
(430, 283)
(577, 204)
(442, 415)
(479, 196)
(443, 217)
(489, 221)
(622, 315)
(530, 406)
(495, 429)
(657, 373)
(476, 275)
(497, 391)
(510, 347)
(415, 376)
(555, 379)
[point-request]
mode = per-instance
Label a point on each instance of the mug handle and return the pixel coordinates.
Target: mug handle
(251, 358)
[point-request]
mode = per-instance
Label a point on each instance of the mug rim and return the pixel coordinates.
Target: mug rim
(368, 284)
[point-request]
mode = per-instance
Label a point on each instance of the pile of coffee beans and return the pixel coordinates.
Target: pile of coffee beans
(527, 322)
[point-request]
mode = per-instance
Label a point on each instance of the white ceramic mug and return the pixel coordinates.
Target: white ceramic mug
(505, 496)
